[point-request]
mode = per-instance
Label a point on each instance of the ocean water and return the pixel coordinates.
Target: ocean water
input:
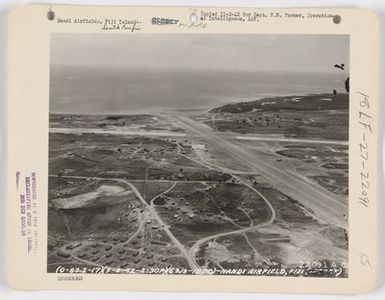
(87, 90)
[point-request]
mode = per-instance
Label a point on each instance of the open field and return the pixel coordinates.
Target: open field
(231, 161)
(320, 117)
(138, 122)
(200, 198)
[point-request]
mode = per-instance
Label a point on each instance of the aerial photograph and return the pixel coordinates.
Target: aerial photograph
(199, 154)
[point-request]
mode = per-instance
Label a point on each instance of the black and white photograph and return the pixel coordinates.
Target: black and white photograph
(199, 154)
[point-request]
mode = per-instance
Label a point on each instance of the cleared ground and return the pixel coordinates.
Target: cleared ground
(200, 198)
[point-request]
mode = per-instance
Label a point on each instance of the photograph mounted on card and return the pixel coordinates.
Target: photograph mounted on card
(192, 149)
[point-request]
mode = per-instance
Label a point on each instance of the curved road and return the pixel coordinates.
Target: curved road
(196, 246)
(153, 212)
(327, 206)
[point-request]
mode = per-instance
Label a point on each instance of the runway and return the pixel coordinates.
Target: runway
(328, 207)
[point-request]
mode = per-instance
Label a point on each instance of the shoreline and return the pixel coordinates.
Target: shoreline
(197, 109)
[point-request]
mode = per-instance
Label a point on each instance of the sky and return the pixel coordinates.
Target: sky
(273, 53)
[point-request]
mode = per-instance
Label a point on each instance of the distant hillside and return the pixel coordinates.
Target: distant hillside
(308, 102)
